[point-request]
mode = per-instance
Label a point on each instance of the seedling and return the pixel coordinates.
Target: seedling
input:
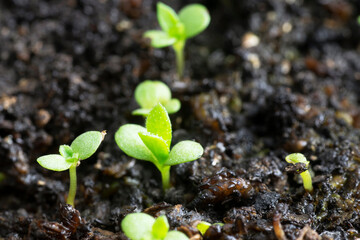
(177, 28)
(204, 226)
(149, 93)
(81, 148)
(153, 143)
(306, 177)
(141, 226)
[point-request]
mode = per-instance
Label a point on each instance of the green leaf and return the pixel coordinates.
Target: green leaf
(128, 140)
(172, 106)
(297, 158)
(203, 227)
(156, 145)
(185, 151)
(87, 143)
(159, 38)
(160, 227)
(149, 93)
(141, 111)
(167, 17)
(176, 235)
(137, 226)
(158, 123)
(66, 151)
(54, 162)
(195, 18)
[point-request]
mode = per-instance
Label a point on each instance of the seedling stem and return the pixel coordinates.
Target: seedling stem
(73, 183)
(306, 177)
(179, 52)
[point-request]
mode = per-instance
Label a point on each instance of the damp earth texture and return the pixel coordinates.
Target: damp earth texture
(266, 79)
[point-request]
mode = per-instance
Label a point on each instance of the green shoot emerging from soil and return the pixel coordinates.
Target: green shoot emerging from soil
(141, 226)
(81, 148)
(176, 28)
(149, 93)
(204, 226)
(153, 143)
(306, 177)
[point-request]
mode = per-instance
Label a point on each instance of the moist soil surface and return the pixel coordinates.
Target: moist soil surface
(267, 78)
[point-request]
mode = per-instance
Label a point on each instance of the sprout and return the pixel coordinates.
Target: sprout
(149, 93)
(176, 28)
(81, 148)
(306, 177)
(153, 143)
(204, 226)
(141, 226)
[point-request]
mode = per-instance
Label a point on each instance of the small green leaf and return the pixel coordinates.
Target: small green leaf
(156, 145)
(141, 111)
(54, 162)
(195, 17)
(66, 151)
(87, 143)
(176, 235)
(297, 158)
(158, 123)
(160, 227)
(128, 140)
(137, 226)
(159, 38)
(149, 93)
(203, 227)
(185, 151)
(167, 17)
(172, 106)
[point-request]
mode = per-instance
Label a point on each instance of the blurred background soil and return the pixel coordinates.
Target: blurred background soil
(267, 78)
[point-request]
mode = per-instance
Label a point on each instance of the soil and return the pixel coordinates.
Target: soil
(266, 79)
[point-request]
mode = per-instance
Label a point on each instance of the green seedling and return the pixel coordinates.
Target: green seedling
(204, 226)
(358, 20)
(306, 177)
(141, 226)
(81, 148)
(177, 28)
(153, 143)
(149, 93)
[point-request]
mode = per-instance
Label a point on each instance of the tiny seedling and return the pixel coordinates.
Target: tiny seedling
(149, 93)
(153, 143)
(306, 177)
(176, 28)
(81, 148)
(204, 226)
(141, 226)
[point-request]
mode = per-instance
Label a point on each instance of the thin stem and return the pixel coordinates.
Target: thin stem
(307, 180)
(165, 175)
(179, 52)
(72, 190)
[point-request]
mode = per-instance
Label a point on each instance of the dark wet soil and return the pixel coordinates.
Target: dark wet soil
(266, 79)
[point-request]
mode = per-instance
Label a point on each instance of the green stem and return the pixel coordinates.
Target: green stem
(179, 52)
(307, 180)
(165, 175)
(72, 190)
